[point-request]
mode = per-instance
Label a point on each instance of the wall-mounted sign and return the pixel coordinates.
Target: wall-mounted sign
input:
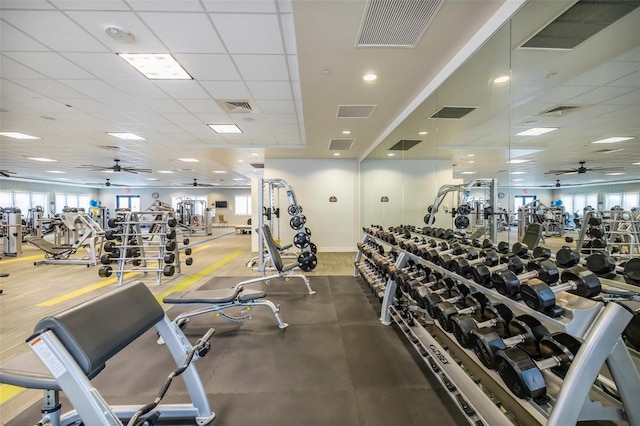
(384, 199)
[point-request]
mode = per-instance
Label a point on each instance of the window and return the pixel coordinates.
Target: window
(23, 200)
(612, 200)
(131, 202)
(630, 200)
(243, 205)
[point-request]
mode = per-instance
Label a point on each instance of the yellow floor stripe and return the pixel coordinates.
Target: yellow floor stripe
(6, 260)
(83, 290)
(188, 282)
(9, 391)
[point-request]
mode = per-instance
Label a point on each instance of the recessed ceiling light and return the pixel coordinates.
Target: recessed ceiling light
(517, 180)
(225, 128)
(56, 171)
(517, 173)
(501, 79)
(166, 172)
(615, 173)
(390, 154)
(635, 164)
(161, 66)
(126, 136)
(609, 151)
(369, 77)
(336, 154)
(423, 133)
(240, 161)
(152, 179)
(471, 162)
(189, 160)
(108, 171)
(471, 155)
(517, 161)
(220, 172)
(537, 131)
(614, 139)
(237, 179)
(468, 173)
(17, 135)
(346, 132)
(41, 159)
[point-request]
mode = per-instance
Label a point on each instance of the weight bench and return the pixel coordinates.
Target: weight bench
(532, 235)
(284, 271)
(71, 348)
(59, 254)
(221, 300)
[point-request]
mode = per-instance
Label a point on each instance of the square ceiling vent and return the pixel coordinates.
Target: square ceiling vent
(405, 144)
(340, 144)
(238, 106)
(257, 165)
(355, 111)
(453, 112)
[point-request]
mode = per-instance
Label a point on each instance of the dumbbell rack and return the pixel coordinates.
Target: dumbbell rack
(133, 239)
(612, 229)
(600, 327)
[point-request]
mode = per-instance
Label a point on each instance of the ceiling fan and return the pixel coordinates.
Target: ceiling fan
(579, 170)
(116, 168)
(6, 173)
(196, 183)
(107, 183)
(557, 184)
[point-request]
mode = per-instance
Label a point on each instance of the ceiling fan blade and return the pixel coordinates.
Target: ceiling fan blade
(135, 170)
(561, 172)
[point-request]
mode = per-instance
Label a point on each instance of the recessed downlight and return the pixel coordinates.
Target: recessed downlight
(517, 173)
(60, 172)
(615, 173)
(537, 131)
(501, 79)
(369, 77)
(422, 133)
(18, 135)
(42, 159)
(165, 172)
(517, 161)
(346, 132)
(336, 154)
(189, 160)
(468, 173)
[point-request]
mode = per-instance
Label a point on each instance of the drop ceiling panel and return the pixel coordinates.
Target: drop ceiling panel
(601, 94)
(294, 71)
(276, 107)
(201, 105)
(95, 89)
(260, 6)
(86, 105)
(166, 5)
(139, 89)
(270, 90)
(182, 89)
(605, 73)
(262, 67)
(184, 32)
(107, 66)
(14, 70)
(209, 67)
(14, 40)
(50, 64)
(631, 80)
(226, 90)
(249, 33)
(182, 119)
(21, 4)
(563, 95)
(282, 118)
(164, 106)
(46, 26)
(51, 89)
(124, 105)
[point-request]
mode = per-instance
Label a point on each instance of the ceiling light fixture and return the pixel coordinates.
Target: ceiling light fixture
(423, 133)
(225, 128)
(614, 139)
(391, 154)
(56, 171)
(517, 180)
(189, 160)
(152, 179)
(635, 164)
(615, 173)
(468, 173)
(369, 77)
(161, 66)
(471, 155)
(537, 131)
(501, 79)
(165, 172)
(517, 161)
(220, 172)
(336, 154)
(346, 132)
(517, 173)
(18, 135)
(42, 159)
(126, 136)
(609, 151)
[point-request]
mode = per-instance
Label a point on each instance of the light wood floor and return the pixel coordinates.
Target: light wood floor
(33, 292)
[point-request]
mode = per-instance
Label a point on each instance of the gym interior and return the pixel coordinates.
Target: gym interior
(361, 212)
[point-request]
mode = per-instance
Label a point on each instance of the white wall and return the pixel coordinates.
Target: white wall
(333, 225)
(410, 185)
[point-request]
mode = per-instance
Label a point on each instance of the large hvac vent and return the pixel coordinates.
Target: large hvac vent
(257, 165)
(238, 106)
(561, 110)
(581, 21)
(455, 112)
(340, 144)
(396, 23)
(355, 111)
(405, 144)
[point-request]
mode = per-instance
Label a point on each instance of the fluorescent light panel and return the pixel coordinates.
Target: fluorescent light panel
(517, 161)
(160, 66)
(56, 171)
(614, 139)
(225, 128)
(165, 172)
(468, 173)
(537, 131)
(42, 159)
(17, 135)
(615, 173)
(126, 136)
(189, 160)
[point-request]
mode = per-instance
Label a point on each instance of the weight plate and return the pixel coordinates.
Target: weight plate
(462, 222)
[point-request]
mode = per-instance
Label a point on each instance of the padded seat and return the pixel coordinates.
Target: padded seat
(223, 295)
(48, 247)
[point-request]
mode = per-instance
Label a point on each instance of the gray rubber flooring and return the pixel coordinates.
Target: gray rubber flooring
(334, 365)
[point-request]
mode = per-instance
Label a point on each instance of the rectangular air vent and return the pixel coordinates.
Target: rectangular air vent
(355, 111)
(578, 23)
(238, 106)
(257, 165)
(396, 23)
(111, 147)
(405, 144)
(561, 110)
(455, 113)
(340, 144)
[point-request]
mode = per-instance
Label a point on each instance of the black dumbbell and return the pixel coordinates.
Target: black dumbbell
(525, 331)
(577, 280)
(567, 257)
(523, 376)
(482, 273)
(446, 310)
(496, 316)
(434, 254)
(446, 260)
(601, 263)
(522, 250)
(446, 292)
(462, 266)
(508, 283)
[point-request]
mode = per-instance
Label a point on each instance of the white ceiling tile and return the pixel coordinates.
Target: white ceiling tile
(276, 107)
(270, 90)
(282, 118)
(631, 98)
(149, 118)
(294, 72)
(86, 105)
(11, 69)
(297, 92)
(23, 4)
(226, 89)
(202, 106)
(631, 80)
(563, 94)
(604, 74)
(50, 64)
(183, 89)
(51, 89)
(184, 32)
(211, 118)
(96, 22)
(12, 90)
(249, 33)
(234, 6)
(14, 40)
(106, 66)
(208, 67)
(262, 67)
(601, 94)
(181, 119)
(96, 89)
(54, 29)
(285, 6)
(145, 89)
(164, 106)
(93, 4)
(124, 105)
(288, 33)
(201, 132)
(166, 5)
